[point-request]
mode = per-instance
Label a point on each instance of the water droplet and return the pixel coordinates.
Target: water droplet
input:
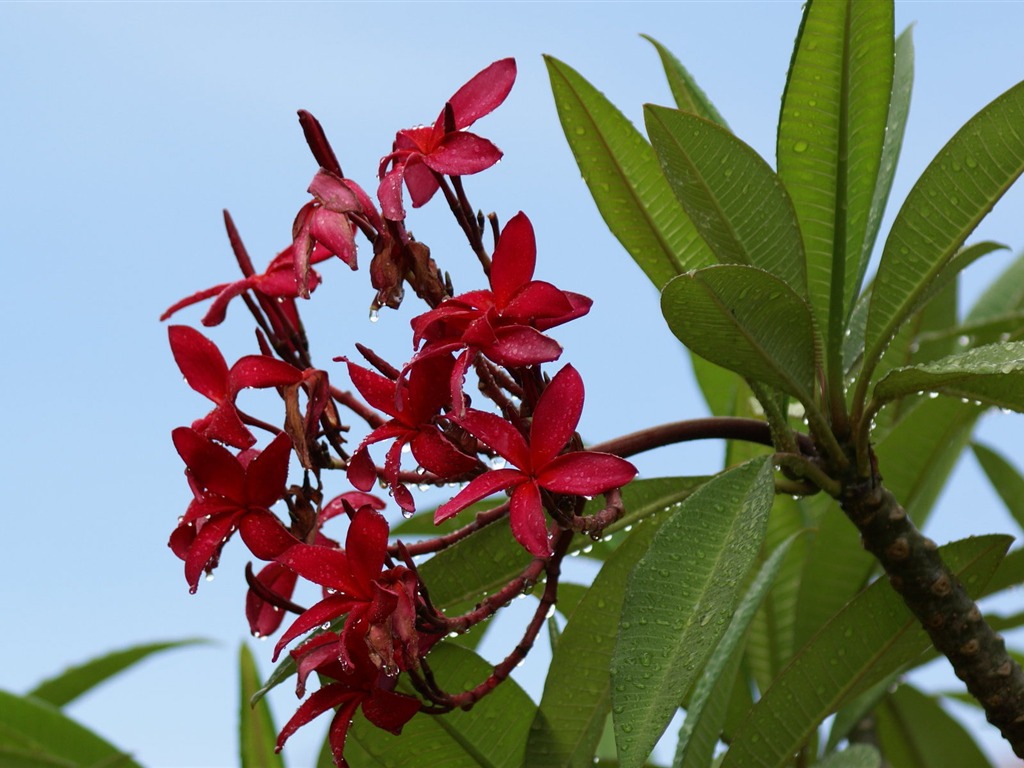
(800, 146)
(374, 315)
(407, 513)
(580, 130)
(971, 162)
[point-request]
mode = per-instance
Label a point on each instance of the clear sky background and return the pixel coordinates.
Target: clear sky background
(126, 128)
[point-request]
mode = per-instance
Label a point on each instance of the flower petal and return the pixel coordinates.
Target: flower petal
(515, 257)
(389, 710)
(434, 453)
(264, 618)
(211, 466)
(200, 361)
(496, 433)
(458, 154)
(586, 473)
(378, 391)
(520, 345)
(366, 546)
(479, 488)
(328, 609)
(265, 535)
(484, 92)
(529, 524)
(325, 566)
(328, 697)
(556, 416)
(260, 372)
(267, 474)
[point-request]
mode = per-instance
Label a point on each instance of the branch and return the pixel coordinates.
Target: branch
(710, 428)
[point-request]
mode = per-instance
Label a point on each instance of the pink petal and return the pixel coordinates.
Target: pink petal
(333, 193)
(334, 232)
(515, 257)
(420, 181)
(556, 416)
(496, 433)
(479, 488)
(484, 92)
(200, 361)
(527, 519)
(458, 154)
(586, 473)
(366, 546)
(389, 192)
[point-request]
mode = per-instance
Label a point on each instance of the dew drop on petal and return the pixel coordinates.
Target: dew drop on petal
(407, 513)
(374, 315)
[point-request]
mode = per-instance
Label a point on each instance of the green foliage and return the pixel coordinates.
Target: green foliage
(257, 734)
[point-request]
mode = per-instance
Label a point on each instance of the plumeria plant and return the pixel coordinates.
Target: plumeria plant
(743, 599)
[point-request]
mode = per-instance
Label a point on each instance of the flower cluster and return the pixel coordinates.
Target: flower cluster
(375, 622)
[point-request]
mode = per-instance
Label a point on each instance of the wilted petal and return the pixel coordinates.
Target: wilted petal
(586, 473)
(556, 416)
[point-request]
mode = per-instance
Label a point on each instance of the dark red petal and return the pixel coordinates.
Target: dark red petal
(209, 541)
(267, 474)
(484, 92)
(224, 424)
(520, 345)
(392, 466)
(479, 488)
(526, 517)
(535, 300)
(328, 609)
(219, 308)
(328, 697)
(389, 710)
(586, 473)
(355, 499)
(212, 467)
(515, 257)
(261, 371)
(339, 732)
(496, 433)
(434, 453)
(361, 470)
(378, 391)
(366, 546)
(325, 566)
(556, 416)
(200, 361)
(580, 306)
(264, 618)
(458, 154)
(427, 388)
(265, 535)
(195, 298)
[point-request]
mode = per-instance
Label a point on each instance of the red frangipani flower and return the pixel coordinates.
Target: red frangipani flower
(206, 371)
(505, 322)
(265, 618)
(445, 147)
(231, 493)
(537, 463)
(414, 405)
(380, 604)
(357, 683)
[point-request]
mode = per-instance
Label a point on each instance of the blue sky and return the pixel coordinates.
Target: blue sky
(128, 127)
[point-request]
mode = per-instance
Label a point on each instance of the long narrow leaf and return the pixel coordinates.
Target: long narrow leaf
(868, 640)
(687, 94)
(679, 599)
(257, 735)
(625, 180)
(748, 321)
(733, 197)
(831, 134)
(1005, 478)
(956, 191)
(75, 681)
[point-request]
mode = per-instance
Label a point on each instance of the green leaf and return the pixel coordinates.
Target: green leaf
(625, 180)
(39, 730)
(1004, 295)
(679, 599)
(873, 636)
(257, 735)
(733, 197)
(915, 732)
(992, 374)
(953, 195)
(1004, 478)
(855, 756)
(490, 735)
(707, 708)
(687, 94)
(75, 681)
(895, 126)
(748, 321)
(577, 691)
(831, 133)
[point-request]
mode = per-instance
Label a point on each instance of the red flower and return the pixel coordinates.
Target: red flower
(358, 682)
(206, 371)
(231, 493)
(414, 405)
(277, 283)
(504, 323)
(538, 464)
(380, 604)
(419, 153)
(265, 618)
